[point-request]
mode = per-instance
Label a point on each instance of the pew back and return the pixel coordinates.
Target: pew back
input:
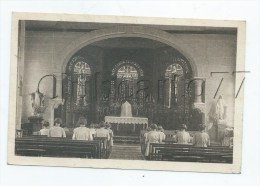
(189, 153)
(58, 147)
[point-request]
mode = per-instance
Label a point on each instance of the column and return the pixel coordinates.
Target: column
(199, 92)
(20, 63)
(198, 82)
(53, 104)
(59, 85)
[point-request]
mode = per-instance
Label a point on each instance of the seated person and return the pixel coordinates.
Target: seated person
(45, 129)
(56, 130)
(67, 131)
(148, 129)
(161, 132)
(152, 137)
(82, 132)
(201, 138)
(144, 137)
(102, 132)
(183, 137)
(227, 136)
(92, 130)
(174, 136)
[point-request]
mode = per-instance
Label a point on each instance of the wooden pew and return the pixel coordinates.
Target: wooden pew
(105, 146)
(58, 147)
(189, 153)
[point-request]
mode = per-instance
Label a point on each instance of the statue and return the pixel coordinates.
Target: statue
(221, 108)
(217, 118)
(38, 106)
(126, 110)
(217, 113)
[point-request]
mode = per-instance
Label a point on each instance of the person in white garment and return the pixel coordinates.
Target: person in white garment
(148, 129)
(182, 136)
(45, 129)
(161, 132)
(111, 134)
(201, 138)
(92, 130)
(152, 137)
(82, 132)
(56, 130)
(102, 131)
(144, 137)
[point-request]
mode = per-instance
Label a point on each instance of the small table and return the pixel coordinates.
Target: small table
(127, 120)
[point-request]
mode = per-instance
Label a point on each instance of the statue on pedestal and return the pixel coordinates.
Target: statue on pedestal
(221, 108)
(217, 113)
(38, 106)
(217, 118)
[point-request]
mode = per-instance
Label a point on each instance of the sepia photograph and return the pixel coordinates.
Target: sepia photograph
(126, 92)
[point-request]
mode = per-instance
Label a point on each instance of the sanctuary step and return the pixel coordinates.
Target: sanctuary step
(126, 152)
(126, 139)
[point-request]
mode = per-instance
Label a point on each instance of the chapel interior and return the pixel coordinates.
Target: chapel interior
(162, 72)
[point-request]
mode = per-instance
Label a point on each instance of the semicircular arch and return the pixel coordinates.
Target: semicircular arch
(124, 31)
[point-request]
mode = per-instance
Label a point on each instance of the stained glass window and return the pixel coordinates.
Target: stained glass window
(82, 71)
(173, 69)
(127, 77)
(82, 68)
(127, 72)
(172, 74)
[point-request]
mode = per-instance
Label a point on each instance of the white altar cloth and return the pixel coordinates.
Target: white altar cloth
(126, 120)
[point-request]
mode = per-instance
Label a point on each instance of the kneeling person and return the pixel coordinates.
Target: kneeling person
(45, 131)
(183, 137)
(201, 138)
(82, 132)
(102, 131)
(56, 130)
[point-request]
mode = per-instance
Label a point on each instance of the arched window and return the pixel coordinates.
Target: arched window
(127, 77)
(127, 84)
(76, 91)
(81, 73)
(172, 75)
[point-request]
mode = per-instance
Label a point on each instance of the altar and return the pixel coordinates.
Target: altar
(122, 123)
(126, 124)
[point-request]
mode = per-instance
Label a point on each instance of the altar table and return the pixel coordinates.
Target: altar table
(127, 120)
